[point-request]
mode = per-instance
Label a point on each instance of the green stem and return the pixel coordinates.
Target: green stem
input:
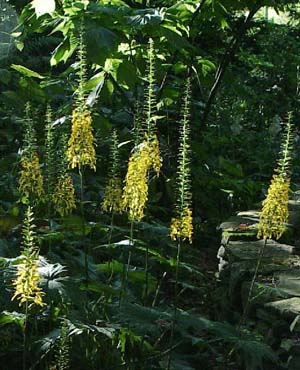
(126, 271)
(129, 255)
(147, 274)
(175, 301)
(109, 244)
(158, 288)
(25, 337)
(86, 266)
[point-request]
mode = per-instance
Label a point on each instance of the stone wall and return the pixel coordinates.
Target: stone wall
(275, 304)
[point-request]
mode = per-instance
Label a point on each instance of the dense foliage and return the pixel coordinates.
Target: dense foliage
(122, 122)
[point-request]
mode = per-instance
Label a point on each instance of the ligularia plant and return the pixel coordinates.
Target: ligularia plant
(49, 154)
(63, 197)
(182, 224)
(135, 194)
(62, 353)
(31, 179)
(146, 154)
(275, 213)
(112, 201)
(81, 146)
(27, 289)
(150, 112)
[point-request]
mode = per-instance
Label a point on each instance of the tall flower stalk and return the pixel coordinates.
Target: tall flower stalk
(81, 145)
(62, 353)
(274, 214)
(145, 157)
(28, 278)
(63, 197)
(49, 154)
(31, 179)
(182, 223)
(112, 201)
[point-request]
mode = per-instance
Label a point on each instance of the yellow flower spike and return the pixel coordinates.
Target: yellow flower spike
(27, 280)
(26, 285)
(63, 197)
(156, 161)
(113, 201)
(81, 150)
(182, 225)
(182, 228)
(135, 193)
(274, 213)
(31, 179)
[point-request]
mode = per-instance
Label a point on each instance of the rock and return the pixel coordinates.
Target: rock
(286, 307)
(262, 293)
(247, 250)
(289, 282)
(251, 215)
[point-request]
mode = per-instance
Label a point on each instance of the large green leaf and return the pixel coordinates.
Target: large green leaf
(26, 71)
(101, 42)
(42, 7)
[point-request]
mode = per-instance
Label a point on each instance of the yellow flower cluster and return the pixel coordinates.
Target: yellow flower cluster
(182, 228)
(113, 201)
(31, 179)
(63, 197)
(275, 209)
(81, 150)
(27, 288)
(135, 193)
(154, 153)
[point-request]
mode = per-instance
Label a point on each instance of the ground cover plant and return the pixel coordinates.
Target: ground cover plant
(129, 131)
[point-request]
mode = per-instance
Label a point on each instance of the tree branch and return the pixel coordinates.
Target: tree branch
(227, 58)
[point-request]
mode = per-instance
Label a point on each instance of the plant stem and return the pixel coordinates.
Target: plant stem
(126, 269)
(175, 301)
(158, 288)
(86, 266)
(147, 274)
(109, 243)
(25, 337)
(129, 254)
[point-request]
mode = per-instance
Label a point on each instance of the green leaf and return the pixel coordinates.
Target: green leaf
(63, 51)
(42, 7)
(12, 318)
(26, 71)
(141, 18)
(100, 42)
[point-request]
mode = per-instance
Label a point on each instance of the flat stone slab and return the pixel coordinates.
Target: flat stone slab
(289, 282)
(251, 214)
(286, 307)
(294, 205)
(249, 250)
(236, 221)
